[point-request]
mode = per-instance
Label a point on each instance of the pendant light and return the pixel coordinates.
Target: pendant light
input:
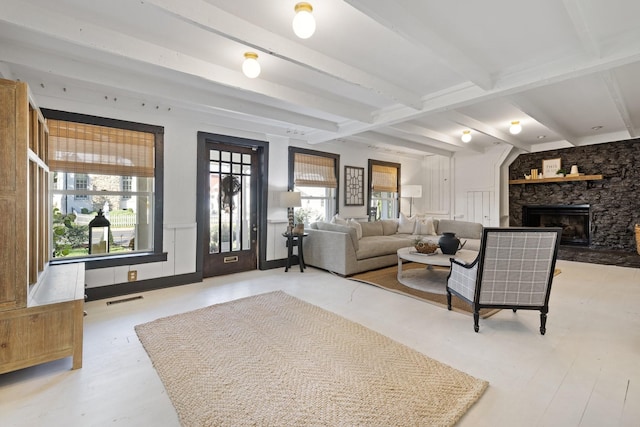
(304, 24)
(515, 128)
(251, 66)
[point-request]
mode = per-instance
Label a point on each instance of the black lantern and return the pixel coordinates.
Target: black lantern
(99, 230)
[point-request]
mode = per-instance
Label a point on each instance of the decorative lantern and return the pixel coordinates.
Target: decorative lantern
(99, 230)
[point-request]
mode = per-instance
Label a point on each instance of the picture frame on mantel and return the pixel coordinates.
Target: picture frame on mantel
(550, 167)
(353, 186)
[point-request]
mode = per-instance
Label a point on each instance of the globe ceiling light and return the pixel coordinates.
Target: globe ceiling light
(515, 128)
(466, 136)
(304, 24)
(251, 66)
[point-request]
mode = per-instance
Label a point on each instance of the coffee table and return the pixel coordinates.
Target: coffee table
(429, 279)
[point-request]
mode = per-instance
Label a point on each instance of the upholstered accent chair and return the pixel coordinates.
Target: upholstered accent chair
(514, 269)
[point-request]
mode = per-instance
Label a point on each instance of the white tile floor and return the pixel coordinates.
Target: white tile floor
(584, 372)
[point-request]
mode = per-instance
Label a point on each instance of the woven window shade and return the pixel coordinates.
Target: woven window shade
(91, 149)
(314, 171)
(384, 178)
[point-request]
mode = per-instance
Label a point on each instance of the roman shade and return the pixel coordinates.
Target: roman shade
(91, 149)
(384, 178)
(314, 171)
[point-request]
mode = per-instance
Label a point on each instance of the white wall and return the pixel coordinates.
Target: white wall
(477, 179)
(180, 157)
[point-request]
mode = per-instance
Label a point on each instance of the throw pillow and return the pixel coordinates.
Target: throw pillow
(337, 219)
(355, 224)
(426, 227)
(406, 225)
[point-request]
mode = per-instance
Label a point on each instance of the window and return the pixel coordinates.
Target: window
(80, 182)
(383, 192)
(313, 174)
(109, 165)
(127, 187)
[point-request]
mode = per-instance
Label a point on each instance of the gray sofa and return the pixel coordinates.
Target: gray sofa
(353, 248)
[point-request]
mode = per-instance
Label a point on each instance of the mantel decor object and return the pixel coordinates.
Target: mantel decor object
(551, 166)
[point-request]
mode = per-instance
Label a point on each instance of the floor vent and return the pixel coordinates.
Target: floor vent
(118, 301)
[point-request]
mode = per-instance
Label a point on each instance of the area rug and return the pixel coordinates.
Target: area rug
(275, 360)
(432, 291)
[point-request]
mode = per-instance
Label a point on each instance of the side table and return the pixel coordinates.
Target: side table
(294, 239)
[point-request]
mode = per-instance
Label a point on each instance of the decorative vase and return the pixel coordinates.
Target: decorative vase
(449, 243)
(299, 228)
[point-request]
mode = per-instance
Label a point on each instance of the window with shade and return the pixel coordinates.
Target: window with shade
(314, 175)
(383, 191)
(103, 165)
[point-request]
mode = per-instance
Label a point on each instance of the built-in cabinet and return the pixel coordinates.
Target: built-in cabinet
(41, 306)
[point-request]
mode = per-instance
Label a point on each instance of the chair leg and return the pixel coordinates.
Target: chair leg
(543, 321)
(448, 300)
(476, 320)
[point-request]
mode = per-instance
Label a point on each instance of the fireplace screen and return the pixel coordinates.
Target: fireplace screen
(573, 219)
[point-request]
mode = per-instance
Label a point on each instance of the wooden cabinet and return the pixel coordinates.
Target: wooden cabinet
(41, 306)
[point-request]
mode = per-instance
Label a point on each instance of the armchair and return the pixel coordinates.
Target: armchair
(514, 269)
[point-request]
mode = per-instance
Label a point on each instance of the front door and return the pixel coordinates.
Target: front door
(230, 226)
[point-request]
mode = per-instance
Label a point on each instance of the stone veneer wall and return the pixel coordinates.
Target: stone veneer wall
(614, 201)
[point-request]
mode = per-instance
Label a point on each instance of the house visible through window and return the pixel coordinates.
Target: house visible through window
(102, 168)
(313, 174)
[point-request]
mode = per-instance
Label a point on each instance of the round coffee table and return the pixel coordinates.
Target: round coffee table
(429, 279)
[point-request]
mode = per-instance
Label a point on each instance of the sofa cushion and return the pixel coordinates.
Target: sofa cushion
(389, 226)
(406, 225)
(371, 228)
(470, 230)
(327, 226)
(337, 219)
(355, 224)
(374, 246)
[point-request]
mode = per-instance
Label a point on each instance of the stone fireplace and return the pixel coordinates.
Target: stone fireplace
(613, 202)
(573, 219)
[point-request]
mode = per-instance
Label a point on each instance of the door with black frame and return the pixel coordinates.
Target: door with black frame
(230, 220)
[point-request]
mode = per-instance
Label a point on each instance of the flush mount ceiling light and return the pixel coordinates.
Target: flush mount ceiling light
(515, 128)
(304, 24)
(251, 66)
(466, 136)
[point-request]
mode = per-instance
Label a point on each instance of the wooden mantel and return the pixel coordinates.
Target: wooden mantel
(557, 179)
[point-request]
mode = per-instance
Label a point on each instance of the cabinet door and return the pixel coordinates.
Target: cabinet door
(13, 200)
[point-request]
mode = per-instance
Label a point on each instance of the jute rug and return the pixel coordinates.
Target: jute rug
(274, 360)
(433, 290)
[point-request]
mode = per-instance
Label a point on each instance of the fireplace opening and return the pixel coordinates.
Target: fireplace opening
(573, 219)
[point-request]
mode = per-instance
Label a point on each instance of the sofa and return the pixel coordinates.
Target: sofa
(350, 247)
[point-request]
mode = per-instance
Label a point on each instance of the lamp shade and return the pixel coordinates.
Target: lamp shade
(412, 191)
(290, 199)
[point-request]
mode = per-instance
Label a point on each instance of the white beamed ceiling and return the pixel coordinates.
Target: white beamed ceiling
(403, 75)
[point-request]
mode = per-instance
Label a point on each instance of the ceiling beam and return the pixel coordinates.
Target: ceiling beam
(404, 23)
(618, 99)
(478, 126)
(413, 129)
(541, 116)
(217, 21)
(120, 45)
(369, 137)
(142, 84)
(575, 11)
